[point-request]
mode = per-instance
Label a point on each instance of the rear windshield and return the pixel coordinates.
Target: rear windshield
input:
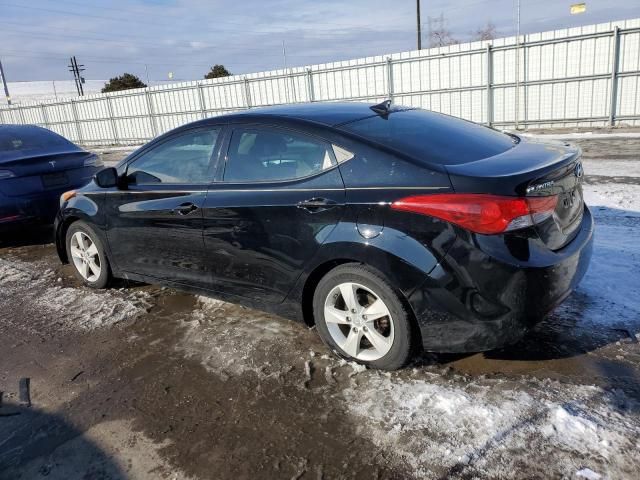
(32, 139)
(432, 137)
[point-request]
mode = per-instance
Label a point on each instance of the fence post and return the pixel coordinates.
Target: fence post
(489, 99)
(613, 100)
(112, 118)
(203, 110)
(45, 118)
(309, 85)
(152, 117)
(247, 92)
(21, 115)
(389, 79)
(76, 121)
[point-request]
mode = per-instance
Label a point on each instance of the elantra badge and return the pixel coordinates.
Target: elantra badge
(540, 186)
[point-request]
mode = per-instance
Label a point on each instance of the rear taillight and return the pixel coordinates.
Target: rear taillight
(481, 213)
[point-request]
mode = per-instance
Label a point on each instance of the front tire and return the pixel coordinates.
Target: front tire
(361, 318)
(87, 256)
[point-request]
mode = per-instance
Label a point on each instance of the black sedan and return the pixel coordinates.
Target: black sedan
(388, 228)
(36, 166)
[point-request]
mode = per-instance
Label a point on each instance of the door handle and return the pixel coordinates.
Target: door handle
(317, 204)
(185, 208)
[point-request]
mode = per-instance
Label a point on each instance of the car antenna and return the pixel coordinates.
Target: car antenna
(383, 109)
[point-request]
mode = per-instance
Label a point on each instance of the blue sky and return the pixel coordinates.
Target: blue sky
(187, 36)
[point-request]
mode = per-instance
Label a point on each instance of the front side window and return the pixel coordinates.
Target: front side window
(184, 159)
(258, 155)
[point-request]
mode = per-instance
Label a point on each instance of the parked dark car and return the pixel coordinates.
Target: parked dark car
(36, 166)
(388, 228)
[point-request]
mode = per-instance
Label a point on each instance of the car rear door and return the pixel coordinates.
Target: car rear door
(155, 222)
(279, 197)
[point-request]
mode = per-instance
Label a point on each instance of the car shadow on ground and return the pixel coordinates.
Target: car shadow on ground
(34, 444)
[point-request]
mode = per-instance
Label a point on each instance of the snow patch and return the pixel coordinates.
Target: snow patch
(588, 474)
(442, 426)
(231, 339)
(73, 308)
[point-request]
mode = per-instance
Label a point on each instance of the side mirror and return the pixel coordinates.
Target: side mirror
(107, 178)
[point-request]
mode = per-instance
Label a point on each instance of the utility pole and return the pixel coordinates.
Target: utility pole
(76, 69)
(419, 25)
(286, 80)
(4, 82)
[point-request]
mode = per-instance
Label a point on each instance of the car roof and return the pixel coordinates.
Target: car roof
(325, 113)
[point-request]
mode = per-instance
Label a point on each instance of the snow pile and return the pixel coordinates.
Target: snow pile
(441, 427)
(73, 308)
(14, 274)
(229, 339)
(88, 310)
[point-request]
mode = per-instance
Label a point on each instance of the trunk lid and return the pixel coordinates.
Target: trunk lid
(40, 172)
(532, 168)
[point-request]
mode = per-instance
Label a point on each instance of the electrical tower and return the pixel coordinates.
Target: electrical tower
(79, 79)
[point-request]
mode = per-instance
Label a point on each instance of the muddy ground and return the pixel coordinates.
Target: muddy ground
(144, 382)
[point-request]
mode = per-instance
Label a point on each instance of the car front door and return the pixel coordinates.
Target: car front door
(280, 196)
(155, 220)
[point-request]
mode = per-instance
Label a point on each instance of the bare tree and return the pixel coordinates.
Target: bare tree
(438, 33)
(488, 32)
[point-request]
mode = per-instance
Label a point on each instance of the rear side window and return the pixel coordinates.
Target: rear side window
(432, 137)
(258, 155)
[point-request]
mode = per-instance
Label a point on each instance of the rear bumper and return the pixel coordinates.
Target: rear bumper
(38, 207)
(489, 290)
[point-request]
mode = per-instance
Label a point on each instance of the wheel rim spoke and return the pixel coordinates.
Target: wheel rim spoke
(376, 310)
(380, 343)
(84, 270)
(92, 250)
(352, 343)
(76, 252)
(333, 315)
(80, 241)
(348, 292)
(94, 268)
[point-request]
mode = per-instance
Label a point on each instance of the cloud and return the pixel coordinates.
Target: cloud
(188, 36)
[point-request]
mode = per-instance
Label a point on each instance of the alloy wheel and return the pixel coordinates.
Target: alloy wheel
(84, 254)
(358, 321)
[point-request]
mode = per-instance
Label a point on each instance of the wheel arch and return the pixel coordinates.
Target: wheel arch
(61, 236)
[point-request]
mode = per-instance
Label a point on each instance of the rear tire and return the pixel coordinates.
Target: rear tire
(361, 318)
(87, 255)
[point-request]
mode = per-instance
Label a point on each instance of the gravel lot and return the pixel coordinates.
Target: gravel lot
(144, 382)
